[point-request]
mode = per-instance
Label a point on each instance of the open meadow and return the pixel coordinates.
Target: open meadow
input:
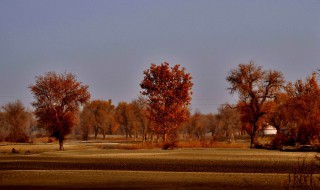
(95, 165)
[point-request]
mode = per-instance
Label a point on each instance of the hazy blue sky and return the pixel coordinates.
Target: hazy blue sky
(108, 43)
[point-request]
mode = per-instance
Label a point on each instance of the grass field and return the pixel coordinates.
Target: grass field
(91, 165)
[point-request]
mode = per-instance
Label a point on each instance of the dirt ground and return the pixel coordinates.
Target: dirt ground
(88, 166)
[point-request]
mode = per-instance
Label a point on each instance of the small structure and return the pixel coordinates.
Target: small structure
(269, 130)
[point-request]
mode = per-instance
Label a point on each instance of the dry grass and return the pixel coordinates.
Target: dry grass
(181, 144)
(208, 144)
(104, 179)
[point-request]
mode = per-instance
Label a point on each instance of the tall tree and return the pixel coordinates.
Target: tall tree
(168, 91)
(58, 97)
(255, 87)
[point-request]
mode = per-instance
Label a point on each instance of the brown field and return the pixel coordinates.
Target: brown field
(101, 165)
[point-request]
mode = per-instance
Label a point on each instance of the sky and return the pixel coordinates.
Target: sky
(108, 44)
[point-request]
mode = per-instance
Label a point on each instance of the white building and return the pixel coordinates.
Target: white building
(269, 130)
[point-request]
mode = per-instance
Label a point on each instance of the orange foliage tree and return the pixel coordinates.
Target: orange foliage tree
(255, 88)
(58, 97)
(168, 91)
(303, 108)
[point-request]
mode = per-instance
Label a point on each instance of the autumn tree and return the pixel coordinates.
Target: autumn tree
(4, 128)
(303, 108)
(58, 98)
(255, 87)
(98, 114)
(278, 115)
(17, 120)
(168, 91)
(197, 126)
(124, 115)
(229, 120)
(140, 112)
(213, 125)
(86, 123)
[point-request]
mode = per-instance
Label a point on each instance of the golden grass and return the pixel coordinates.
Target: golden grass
(208, 144)
(180, 144)
(43, 140)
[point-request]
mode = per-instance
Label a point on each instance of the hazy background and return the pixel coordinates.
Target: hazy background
(108, 44)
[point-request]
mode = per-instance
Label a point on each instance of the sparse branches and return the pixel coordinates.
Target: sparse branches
(255, 87)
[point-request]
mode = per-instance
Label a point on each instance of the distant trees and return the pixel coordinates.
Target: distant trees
(229, 120)
(98, 115)
(14, 122)
(255, 88)
(58, 97)
(197, 126)
(168, 92)
(141, 121)
(124, 115)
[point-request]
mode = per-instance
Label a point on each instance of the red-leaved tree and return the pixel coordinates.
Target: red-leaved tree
(168, 91)
(58, 97)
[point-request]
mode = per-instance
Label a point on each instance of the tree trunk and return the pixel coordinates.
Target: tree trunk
(165, 137)
(61, 144)
(253, 139)
(95, 132)
(126, 131)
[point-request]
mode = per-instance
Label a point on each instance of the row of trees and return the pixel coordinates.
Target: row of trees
(99, 116)
(162, 110)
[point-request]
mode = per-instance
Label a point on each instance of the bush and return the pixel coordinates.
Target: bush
(169, 145)
(18, 138)
(282, 140)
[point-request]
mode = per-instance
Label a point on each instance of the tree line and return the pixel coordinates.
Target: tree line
(162, 110)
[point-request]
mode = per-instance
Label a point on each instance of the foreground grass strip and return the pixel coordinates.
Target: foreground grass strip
(37, 179)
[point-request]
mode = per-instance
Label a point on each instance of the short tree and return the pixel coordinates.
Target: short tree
(168, 91)
(17, 120)
(140, 119)
(255, 87)
(58, 97)
(229, 120)
(124, 115)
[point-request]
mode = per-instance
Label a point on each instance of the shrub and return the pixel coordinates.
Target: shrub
(169, 145)
(18, 138)
(282, 140)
